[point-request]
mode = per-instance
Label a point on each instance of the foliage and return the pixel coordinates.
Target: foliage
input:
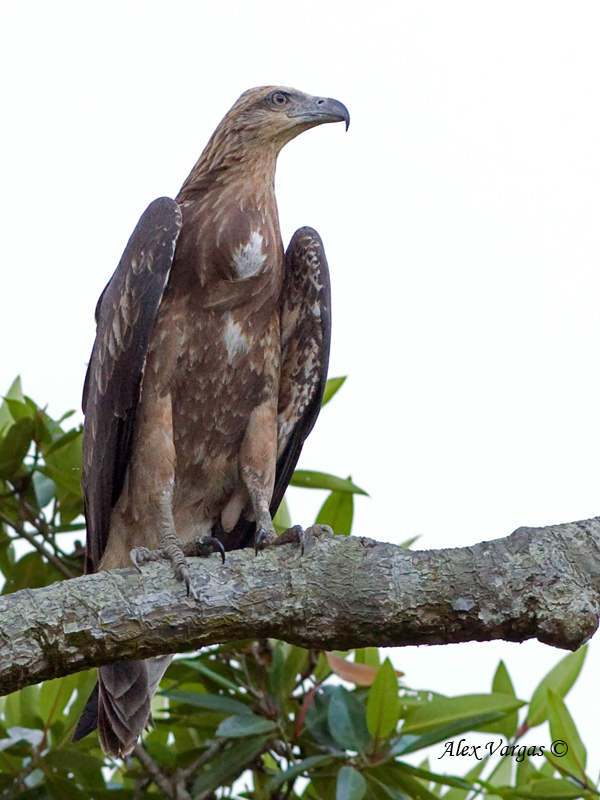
(253, 719)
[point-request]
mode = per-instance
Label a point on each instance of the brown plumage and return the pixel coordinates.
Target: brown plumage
(206, 376)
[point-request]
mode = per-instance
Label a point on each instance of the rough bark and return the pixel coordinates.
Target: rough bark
(539, 583)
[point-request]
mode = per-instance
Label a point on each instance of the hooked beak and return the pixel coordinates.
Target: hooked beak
(325, 109)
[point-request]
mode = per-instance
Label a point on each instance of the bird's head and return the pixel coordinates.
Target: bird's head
(267, 118)
(278, 113)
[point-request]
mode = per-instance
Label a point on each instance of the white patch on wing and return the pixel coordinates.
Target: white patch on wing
(249, 258)
(233, 339)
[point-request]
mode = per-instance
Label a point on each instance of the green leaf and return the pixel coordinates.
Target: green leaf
(368, 656)
(31, 572)
(346, 717)
(45, 489)
(275, 670)
(282, 519)
(228, 764)
(322, 480)
(86, 768)
(7, 552)
(332, 387)
(383, 706)
(472, 775)
(427, 775)
(20, 408)
(502, 684)
(408, 543)
(526, 772)
(63, 788)
(350, 784)
(551, 789)
(411, 744)
(502, 773)
(54, 696)
(22, 709)
(245, 725)
(211, 702)
(397, 784)
(14, 446)
(63, 466)
(563, 728)
(559, 679)
(299, 768)
(295, 664)
(63, 440)
(67, 479)
(200, 667)
(14, 393)
(322, 670)
(320, 788)
(337, 512)
(444, 710)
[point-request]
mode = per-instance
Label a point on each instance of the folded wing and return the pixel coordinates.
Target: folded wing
(125, 317)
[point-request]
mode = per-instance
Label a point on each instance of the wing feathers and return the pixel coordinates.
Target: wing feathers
(125, 317)
(305, 337)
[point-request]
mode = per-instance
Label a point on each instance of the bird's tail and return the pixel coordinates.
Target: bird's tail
(120, 704)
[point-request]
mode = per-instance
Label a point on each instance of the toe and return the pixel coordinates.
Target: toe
(263, 539)
(190, 588)
(138, 555)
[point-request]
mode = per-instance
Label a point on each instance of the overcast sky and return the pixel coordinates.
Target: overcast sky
(460, 217)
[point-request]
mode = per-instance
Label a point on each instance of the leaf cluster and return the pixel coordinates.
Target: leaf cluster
(40, 494)
(264, 719)
(260, 719)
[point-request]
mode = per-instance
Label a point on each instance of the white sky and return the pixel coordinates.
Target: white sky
(460, 217)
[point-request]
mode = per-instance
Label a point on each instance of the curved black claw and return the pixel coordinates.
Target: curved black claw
(203, 547)
(264, 538)
(214, 545)
(187, 579)
(259, 540)
(134, 555)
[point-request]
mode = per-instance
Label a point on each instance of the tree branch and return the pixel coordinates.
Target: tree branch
(539, 583)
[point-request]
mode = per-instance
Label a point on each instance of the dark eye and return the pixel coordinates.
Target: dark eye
(279, 99)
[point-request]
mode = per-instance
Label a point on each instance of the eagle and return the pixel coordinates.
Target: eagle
(206, 376)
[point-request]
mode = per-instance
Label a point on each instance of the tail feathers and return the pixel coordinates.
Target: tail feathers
(120, 704)
(124, 706)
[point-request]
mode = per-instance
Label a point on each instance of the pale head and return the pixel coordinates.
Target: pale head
(265, 119)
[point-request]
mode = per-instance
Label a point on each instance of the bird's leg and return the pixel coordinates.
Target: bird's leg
(173, 549)
(258, 456)
(265, 530)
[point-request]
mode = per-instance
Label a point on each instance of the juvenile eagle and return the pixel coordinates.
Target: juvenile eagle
(206, 377)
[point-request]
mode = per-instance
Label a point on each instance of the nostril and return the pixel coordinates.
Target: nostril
(320, 102)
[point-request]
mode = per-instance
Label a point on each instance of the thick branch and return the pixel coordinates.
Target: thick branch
(539, 583)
